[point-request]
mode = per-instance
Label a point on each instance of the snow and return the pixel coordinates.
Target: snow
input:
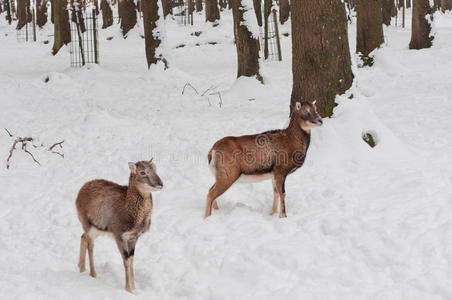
(363, 223)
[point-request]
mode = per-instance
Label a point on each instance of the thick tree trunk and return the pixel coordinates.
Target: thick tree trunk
(167, 8)
(212, 11)
(247, 44)
(41, 13)
(369, 26)
(321, 64)
(198, 5)
(107, 14)
(23, 13)
(284, 11)
(153, 32)
(128, 15)
(257, 4)
(420, 27)
(62, 34)
(388, 11)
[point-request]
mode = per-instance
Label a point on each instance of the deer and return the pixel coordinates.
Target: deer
(121, 212)
(269, 155)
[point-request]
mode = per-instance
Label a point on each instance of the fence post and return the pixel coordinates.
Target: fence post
(34, 22)
(96, 55)
(266, 52)
(278, 42)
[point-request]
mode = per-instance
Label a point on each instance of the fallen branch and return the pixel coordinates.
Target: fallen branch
(24, 147)
(9, 133)
(219, 95)
(60, 144)
(188, 84)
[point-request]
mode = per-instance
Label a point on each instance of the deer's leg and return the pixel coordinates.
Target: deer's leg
(90, 244)
(127, 250)
(221, 185)
(275, 197)
(280, 181)
(83, 249)
(215, 204)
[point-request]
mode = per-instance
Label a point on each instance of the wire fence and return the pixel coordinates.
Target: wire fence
(25, 34)
(84, 46)
(182, 13)
(269, 36)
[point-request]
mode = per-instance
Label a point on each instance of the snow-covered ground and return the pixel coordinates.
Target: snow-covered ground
(362, 223)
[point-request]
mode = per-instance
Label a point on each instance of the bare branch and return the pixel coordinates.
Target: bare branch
(56, 144)
(9, 133)
(24, 147)
(219, 95)
(188, 84)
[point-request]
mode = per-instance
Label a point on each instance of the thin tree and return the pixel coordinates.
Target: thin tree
(212, 11)
(154, 32)
(257, 4)
(41, 13)
(284, 10)
(198, 5)
(8, 12)
(369, 34)
(420, 25)
(107, 14)
(388, 11)
(62, 34)
(23, 13)
(128, 15)
(321, 64)
(246, 40)
(167, 7)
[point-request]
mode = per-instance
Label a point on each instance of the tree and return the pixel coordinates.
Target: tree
(388, 11)
(284, 11)
(420, 26)
(257, 4)
(445, 5)
(128, 15)
(23, 13)
(246, 39)
(8, 12)
(198, 5)
(321, 63)
(107, 14)
(369, 34)
(153, 32)
(62, 34)
(167, 8)
(212, 11)
(41, 13)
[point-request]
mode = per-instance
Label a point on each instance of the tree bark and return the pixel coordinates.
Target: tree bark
(153, 32)
(257, 4)
(420, 27)
(8, 12)
(107, 14)
(247, 45)
(128, 15)
(445, 5)
(408, 3)
(321, 64)
(62, 33)
(284, 11)
(223, 4)
(198, 5)
(191, 6)
(23, 13)
(369, 26)
(167, 8)
(41, 13)
(388, 11)
(212, 11)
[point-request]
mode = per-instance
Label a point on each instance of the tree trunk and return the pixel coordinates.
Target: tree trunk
(62, 33)
(153, 32)
(369, 26)
(445, 5)
(8, 12)
(246, 43)
(23, 13)
(167, 8)
(128, 15)
(268, 7)
(420, 27)
(436, 5)
(388, 11)
(223, 4)
(52, 10)
(41, 13)
(191, 6)
(212, 11)
(107, 14)
(198, 5)
(408, 3)
(257, 4)
(284, 11)
(321, 64)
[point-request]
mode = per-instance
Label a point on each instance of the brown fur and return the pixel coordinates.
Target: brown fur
(272, 154)
(121, 211)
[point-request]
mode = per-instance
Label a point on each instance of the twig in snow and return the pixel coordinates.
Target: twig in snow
(9, 133)
(219, 95)
(60, 144)
(24, 147)
(188, 84)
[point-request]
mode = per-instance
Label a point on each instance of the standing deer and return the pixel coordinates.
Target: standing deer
(269, 155)
(123, 212)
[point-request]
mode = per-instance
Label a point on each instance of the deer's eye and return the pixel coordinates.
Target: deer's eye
(142, 173)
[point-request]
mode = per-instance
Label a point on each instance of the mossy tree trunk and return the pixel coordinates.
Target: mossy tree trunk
(107, 14)
(247, 45)
(284, 11)
(62, 33)
(388, 11)
(420, 26)
(212, 11)
(128, 15)
(41, 13)
(153, 32)
(369, 34)
(198, 5)
(321, 64)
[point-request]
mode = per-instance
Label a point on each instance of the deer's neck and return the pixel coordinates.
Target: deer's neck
(134, 197)
(298, 133)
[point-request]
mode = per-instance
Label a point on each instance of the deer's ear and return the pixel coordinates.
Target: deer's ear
(133, 167)
(298, 106)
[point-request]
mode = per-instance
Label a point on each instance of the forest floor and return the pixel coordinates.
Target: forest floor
(363, 223)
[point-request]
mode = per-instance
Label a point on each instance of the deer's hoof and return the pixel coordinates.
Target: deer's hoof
(282, 215)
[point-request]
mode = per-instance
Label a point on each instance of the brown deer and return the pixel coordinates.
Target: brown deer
(269, 155)
(123, 212)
